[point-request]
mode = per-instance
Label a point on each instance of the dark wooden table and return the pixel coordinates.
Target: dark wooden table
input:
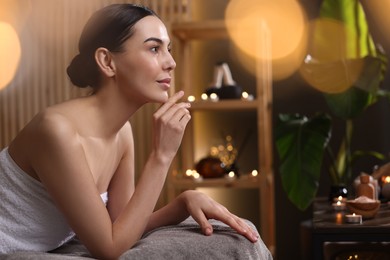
(329, 225)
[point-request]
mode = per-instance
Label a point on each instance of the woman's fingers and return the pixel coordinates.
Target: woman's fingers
(176, 112)
(170, 121)
(203, 222)
(243, 228)
(237, 224)
(181, 113)
(167, 105)
(203, 208)
(173, 112)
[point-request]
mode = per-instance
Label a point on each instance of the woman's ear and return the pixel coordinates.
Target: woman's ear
(105, 62)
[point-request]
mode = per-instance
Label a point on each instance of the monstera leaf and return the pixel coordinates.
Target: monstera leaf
(361, 94)
(300, 143)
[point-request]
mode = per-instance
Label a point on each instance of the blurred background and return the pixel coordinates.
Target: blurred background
(39, 38)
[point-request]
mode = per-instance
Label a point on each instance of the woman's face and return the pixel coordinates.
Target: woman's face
(143, 70)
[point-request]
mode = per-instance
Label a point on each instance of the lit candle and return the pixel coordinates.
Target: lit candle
(354, 218)
(386, 190)
(338, 205)
(339, 218)
(340, 198)
(386, 187)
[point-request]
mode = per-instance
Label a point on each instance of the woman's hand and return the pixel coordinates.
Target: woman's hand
(169, 123)
(202, 208)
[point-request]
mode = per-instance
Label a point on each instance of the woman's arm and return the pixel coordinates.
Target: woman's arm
(122, 184)
(62, 167)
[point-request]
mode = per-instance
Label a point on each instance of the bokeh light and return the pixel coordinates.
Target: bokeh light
(327, 66)
(15, 12)
(10, 52)
(282, 22)
(13, 19)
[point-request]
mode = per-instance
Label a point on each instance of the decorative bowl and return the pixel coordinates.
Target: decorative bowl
(210, 167)
(364, 206)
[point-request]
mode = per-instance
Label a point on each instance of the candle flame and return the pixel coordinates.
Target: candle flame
(339, 218)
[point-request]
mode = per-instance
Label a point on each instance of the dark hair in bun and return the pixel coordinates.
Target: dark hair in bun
(109, 27)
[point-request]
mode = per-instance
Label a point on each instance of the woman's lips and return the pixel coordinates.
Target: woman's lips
(165, 83)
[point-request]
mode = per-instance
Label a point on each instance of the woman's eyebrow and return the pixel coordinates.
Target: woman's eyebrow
(154, 39)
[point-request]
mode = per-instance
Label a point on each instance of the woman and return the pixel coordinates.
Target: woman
(71, 169)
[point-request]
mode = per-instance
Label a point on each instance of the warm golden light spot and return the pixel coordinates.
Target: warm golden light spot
(328, 41)
(15, 12)
(331, 77)
(191, 99)
(214, 151)
(10, 52)
(327, 66)
(254, 173)
(253, 23)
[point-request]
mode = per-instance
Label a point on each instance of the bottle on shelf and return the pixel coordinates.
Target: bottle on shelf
(365, 187)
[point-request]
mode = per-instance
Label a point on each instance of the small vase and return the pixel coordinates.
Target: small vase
(338, 190)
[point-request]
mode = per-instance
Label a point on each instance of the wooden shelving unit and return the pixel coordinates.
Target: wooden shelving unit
(262, 106)
(225, 105)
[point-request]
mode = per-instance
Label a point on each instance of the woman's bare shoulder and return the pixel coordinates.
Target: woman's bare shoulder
(48, 132)
(51, 123)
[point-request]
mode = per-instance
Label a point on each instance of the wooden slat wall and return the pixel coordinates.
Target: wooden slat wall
(49, 37)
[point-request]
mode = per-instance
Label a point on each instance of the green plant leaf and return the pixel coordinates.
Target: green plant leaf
(354, 100)
(359, 153)
(358, 41)
(344, 63)
(300, 144)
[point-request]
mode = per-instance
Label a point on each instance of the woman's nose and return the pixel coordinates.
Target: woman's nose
(170, 63)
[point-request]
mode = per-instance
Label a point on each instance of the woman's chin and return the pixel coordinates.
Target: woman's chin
(162, 98)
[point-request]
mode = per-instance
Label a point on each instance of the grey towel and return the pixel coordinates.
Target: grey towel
(183, 241)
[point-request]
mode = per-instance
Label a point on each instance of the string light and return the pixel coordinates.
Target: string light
(191, 99)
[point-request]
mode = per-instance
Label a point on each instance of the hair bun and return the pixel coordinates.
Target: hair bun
(81, 73)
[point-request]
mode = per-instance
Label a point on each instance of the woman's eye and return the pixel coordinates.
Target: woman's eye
(154, 49)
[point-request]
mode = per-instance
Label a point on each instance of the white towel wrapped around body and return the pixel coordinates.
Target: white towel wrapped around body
(29, 220)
